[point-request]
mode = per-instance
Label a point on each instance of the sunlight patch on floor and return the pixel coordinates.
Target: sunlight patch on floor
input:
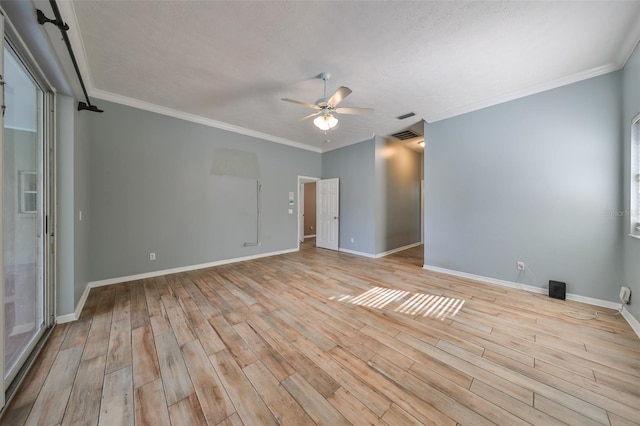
(427, 305)
(377, 297)
(431, 305)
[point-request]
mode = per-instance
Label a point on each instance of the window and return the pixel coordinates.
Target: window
(28, 192)
(634, 206)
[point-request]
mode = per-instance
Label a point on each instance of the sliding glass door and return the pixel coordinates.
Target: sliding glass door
(23, 214)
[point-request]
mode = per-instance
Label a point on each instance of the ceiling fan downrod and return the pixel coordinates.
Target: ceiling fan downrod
(325, 76)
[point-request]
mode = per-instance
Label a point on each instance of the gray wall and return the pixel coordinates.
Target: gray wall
(355, 166)
(631, 98)
(379, 194)
(398, 174)
(65, 273)
(530, 180)
(72, 175)
(184, 191)
(81, 196)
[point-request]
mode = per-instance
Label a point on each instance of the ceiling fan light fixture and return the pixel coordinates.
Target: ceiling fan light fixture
(325, 122)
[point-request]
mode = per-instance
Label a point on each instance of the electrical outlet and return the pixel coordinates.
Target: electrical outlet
(625, 295)
(353, 240)
(520, 266)
(152, 256)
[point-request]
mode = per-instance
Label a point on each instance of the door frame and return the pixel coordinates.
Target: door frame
(13, 40)
(422, 211)
(2, 274)
(46, 264)
(301, 181)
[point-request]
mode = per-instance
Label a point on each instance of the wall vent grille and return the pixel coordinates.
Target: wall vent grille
(405, 134)
(402, 117)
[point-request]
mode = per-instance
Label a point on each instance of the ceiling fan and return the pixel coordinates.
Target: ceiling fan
(325, 107)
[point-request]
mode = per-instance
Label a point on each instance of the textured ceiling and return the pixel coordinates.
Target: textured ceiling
(232, 61)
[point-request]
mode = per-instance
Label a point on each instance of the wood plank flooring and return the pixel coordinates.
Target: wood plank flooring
(327, 338)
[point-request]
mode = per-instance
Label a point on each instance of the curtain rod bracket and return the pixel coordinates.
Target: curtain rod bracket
(42, 19)
(63, 27)
(84, 107)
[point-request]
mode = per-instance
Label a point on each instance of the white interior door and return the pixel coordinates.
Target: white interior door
(328, 213)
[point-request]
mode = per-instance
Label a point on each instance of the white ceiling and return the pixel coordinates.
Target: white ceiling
(230, 63)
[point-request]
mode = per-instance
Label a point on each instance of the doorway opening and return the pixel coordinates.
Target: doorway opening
(26, 214)
(306, 208)
(309, 210)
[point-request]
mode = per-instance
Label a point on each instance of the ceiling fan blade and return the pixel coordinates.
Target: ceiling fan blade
(309, 116)
(354, 111)
(307, 104)
(338, 96)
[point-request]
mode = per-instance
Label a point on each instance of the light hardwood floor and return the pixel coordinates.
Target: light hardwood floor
(330, 338)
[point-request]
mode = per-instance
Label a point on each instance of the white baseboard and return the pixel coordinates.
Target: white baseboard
(633, 322)
(383, 254)
(592, 301)
(76, 314)
(357, 253)
(395, 250)
(61, 319)
(533, 289)
(187, 268)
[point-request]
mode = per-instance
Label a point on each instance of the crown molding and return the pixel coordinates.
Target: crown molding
(68, 13)
(135, 103)
(69, 16)
(628, 45)
(327, 148)
(531, 90)
(77, 44)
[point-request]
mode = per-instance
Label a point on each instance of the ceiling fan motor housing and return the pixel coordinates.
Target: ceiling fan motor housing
(322, 102)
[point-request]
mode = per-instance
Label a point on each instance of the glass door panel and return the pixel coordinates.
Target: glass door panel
(22, 214)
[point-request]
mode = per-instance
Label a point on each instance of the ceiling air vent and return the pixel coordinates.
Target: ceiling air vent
(405, 134)
(402, 117)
